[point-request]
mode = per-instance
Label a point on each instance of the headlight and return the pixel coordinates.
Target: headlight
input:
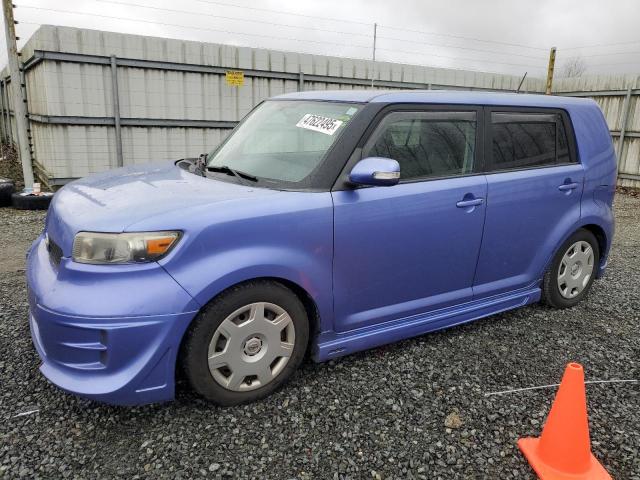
(92, 247)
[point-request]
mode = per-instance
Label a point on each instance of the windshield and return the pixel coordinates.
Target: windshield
(284, 141)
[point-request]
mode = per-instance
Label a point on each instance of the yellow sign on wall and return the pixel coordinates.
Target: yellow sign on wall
(235, 78)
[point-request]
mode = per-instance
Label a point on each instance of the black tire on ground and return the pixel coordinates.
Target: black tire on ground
(550, 290)
(31, 202)
(195, 346)
(7, 188)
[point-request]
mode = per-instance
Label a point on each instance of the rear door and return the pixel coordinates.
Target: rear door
(534, 190)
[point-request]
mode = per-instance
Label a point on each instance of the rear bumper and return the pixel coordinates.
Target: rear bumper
(109, 357)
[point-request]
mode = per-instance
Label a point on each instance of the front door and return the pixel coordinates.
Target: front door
(413, 247)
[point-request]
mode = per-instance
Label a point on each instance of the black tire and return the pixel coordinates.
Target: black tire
(551, 294)
(31, 202)
(7, 188)
(195, 345)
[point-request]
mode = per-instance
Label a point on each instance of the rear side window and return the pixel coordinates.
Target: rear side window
(426, 144)
(528, 140)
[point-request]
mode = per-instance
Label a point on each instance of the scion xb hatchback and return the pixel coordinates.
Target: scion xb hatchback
(327, 222)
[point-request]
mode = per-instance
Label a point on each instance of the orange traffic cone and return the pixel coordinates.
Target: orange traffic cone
(563, 451)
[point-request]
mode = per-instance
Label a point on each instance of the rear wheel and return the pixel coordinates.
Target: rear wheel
(572, 271)
(246, 343)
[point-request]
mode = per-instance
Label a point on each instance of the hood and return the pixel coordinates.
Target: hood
(111, 201)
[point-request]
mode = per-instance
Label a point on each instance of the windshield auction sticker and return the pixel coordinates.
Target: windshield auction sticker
(320, 124)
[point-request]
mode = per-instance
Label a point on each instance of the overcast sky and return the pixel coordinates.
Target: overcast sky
(507, 36)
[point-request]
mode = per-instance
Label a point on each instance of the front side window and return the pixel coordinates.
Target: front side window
(528, 140)
(284, 142)
(426, 144)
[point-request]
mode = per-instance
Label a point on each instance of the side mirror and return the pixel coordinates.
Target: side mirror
(375, 171)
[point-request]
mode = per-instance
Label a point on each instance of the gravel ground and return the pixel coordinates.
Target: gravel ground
(416, 409)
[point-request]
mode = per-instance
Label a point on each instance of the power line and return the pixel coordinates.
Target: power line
(609, 54)
(171, 10)
(590, 64)
(601, 45)
(24, 22)
(190, 27)
(423, 32)
(281, 12)
(413, 64)
(460, 58)
(636, 64)
(459, 47)
(466, 69)
(324, 42)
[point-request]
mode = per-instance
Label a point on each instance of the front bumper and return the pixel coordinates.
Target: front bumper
(102, 332)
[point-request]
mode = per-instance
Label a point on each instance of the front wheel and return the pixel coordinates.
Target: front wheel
(572, 271)
(246, 343)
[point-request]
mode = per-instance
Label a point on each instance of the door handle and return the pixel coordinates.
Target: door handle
(470, 203)
(567, 186)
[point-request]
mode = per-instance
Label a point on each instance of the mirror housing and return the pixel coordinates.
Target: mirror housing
(375, 171)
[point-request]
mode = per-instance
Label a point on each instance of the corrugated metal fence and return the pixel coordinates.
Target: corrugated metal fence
(98, 100)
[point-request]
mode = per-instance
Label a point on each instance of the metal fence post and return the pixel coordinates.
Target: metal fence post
(3, 130)
(301, 81)
(7, 112)
(116, 109)
(623, 127)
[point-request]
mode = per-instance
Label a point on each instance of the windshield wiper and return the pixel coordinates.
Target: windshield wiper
(242, 176)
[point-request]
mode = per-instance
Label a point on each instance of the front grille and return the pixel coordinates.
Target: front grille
(55, 252)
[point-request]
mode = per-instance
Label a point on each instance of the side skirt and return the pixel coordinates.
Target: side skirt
(331, 345)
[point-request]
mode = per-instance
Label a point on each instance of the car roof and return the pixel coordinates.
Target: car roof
(438, 97)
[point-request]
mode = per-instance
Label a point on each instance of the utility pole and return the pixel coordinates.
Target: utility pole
(552, 64)
(375, 36)
(19, 108)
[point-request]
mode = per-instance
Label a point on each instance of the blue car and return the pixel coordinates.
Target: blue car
(327, 223)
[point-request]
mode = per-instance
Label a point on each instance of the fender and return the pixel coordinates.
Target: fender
(289, 236)
(595, 210)
(563, 230)
(313, 275)
(607, 228)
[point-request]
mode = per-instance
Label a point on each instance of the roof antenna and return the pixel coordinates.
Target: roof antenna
(521, 82)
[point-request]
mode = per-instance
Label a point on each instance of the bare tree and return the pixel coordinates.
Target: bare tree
(573, 67)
